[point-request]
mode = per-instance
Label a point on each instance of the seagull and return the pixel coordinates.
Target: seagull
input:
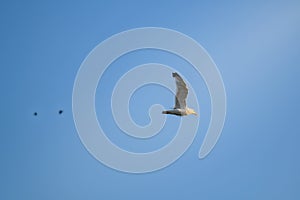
(180, 108)
(60, 112)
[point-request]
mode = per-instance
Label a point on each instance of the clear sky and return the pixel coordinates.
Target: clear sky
(256, 47)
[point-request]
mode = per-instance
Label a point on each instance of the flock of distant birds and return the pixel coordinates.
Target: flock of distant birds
(180, 108)
(59, 112)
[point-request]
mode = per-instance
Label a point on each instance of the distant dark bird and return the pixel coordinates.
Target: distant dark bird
(35, 113)
(180, 107)
(60, 112)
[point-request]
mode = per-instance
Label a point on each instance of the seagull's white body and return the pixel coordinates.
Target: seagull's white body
(180, 107)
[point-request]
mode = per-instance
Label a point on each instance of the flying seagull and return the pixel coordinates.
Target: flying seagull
(180, 107)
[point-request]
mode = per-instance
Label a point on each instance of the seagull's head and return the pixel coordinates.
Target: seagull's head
(191, 112)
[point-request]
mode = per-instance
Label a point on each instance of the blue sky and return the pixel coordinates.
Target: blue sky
(256, 47)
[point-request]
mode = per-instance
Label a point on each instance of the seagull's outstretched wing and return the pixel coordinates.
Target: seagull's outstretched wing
(181, 92)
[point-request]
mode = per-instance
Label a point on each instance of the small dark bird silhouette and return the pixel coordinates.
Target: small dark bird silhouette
(35, 113)
(60, 112)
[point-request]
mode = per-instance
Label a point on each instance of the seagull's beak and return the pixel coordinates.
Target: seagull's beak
(195, 113)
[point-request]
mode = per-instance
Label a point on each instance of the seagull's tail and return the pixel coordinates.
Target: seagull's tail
(165, 112)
